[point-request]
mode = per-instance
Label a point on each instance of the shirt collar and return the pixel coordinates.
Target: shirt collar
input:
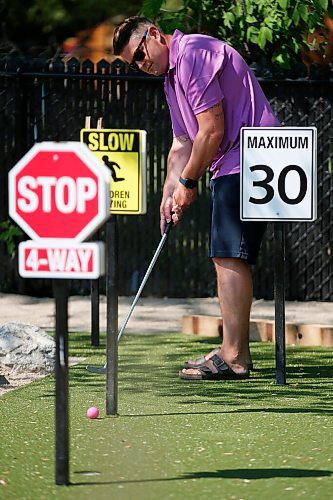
(174, 48)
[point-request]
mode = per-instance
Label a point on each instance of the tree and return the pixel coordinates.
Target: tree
(47, 23)
(274, 29)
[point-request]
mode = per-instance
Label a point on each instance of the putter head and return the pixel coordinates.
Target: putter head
(96, 369)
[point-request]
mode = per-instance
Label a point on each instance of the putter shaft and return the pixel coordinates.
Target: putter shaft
(96, 369)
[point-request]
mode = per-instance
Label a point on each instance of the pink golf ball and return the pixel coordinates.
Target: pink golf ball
(93, 412)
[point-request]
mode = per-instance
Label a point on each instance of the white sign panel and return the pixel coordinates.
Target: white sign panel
(61, 260)
(278, 173)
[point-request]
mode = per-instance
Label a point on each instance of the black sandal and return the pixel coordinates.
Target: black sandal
(224, 372)
(200, 361)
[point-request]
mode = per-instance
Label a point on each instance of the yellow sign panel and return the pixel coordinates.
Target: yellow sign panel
(124, 153)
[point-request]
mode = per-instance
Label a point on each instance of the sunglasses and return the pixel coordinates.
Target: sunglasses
(139, 54)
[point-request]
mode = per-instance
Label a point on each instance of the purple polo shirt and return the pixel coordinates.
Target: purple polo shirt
(202, 72)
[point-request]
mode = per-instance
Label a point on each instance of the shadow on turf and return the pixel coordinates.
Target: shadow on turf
(143, 367)
(258, 473)
(249, 474)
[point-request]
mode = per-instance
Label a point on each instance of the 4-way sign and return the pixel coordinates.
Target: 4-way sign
(59, 196)
(76, 260)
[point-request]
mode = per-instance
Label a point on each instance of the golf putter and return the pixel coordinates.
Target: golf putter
(102, 369)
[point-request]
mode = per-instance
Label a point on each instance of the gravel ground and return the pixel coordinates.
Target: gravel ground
(151, 315)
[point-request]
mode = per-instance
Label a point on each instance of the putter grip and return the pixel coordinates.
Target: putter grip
(168, 227)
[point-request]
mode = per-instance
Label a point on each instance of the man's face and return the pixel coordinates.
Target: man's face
(149, 52)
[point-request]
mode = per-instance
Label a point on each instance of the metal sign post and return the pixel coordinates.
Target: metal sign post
(124, 153)
(94, 284)
(59, 195)
(60, 292)
(279, 184)
(279, 294)
(112, 316)
(94, 290)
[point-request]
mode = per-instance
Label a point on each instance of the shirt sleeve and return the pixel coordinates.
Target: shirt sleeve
(199, 73)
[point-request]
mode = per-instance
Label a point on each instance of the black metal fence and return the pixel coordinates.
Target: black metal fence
(43, 100)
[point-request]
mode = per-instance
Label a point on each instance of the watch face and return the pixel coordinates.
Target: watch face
(190, 183)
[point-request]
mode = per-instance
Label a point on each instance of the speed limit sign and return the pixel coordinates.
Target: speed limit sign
(278, 173)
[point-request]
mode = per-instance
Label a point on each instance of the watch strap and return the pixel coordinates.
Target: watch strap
(188, 183)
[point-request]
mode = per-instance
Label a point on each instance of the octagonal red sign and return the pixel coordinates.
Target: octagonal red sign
(59, 191)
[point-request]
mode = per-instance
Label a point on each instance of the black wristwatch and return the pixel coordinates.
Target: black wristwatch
(188, 183)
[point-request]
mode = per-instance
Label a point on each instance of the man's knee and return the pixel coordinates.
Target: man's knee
(231, 263)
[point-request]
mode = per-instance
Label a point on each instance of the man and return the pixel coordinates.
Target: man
(211, 94)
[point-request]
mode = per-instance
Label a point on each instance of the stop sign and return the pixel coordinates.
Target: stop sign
(59, 190)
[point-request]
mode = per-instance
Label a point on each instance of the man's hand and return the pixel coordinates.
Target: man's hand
(165, 211)
(182, 198)
(178, 157)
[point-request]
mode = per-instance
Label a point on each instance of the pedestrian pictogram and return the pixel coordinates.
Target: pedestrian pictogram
(123, 152)
(112, 165)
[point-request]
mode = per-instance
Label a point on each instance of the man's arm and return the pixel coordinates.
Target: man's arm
(178, 157)
(206, 143)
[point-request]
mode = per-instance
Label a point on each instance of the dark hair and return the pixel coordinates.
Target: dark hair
(126, 29)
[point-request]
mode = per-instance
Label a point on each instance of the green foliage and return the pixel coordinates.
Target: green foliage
(43, 21)
(275, 29)
(151, 7)
(271, 28)
(9, 232)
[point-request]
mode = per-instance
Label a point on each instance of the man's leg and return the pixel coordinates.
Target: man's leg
(234, 282)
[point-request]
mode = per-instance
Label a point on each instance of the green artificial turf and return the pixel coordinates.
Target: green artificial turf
(175, 439)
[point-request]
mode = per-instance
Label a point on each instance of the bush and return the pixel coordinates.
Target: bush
(271, 29)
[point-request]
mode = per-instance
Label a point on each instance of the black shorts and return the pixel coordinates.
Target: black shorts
(229, 236)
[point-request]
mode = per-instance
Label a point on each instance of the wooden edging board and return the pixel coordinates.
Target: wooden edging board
(261, 330)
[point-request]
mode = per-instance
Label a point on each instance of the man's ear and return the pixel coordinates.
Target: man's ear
(155, 33)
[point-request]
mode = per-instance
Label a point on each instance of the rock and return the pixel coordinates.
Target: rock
(26, 348)
(3, 380)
